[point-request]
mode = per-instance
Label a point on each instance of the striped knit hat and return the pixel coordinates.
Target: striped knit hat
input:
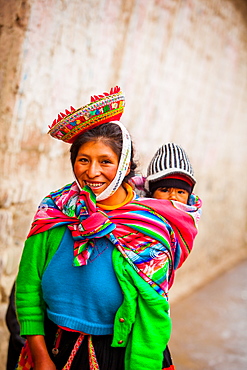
(172, 164)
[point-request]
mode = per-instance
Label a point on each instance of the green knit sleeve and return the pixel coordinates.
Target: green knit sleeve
(37, 253)
(150, 329)
(150, 333)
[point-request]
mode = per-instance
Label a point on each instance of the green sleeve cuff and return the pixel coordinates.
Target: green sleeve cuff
(29, 327)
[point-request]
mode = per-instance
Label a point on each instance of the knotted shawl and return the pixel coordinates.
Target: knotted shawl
(155, 236)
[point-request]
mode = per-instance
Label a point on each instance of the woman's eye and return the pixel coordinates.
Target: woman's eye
(84, 160)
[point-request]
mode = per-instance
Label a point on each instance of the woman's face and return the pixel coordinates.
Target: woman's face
(179, 195)
(96, 166)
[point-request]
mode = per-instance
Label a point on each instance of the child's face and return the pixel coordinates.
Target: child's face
(179, 195)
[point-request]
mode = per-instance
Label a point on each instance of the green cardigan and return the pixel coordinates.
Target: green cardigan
(142, 323)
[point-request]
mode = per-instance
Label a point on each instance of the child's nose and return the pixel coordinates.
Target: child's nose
(173, 194)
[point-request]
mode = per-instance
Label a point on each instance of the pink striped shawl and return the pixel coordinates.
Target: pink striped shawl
(155, 236)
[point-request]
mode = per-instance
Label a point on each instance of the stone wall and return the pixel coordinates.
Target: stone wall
(182, 65)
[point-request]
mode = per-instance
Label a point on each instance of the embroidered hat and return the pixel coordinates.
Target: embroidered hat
(170, 161)
(102, 108)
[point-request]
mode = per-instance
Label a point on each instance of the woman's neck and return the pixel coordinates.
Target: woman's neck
(123, 195)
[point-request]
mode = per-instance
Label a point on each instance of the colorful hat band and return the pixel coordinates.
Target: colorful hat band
(103, 108)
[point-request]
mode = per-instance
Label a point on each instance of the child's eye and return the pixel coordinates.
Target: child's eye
(164, 190)
(106, 161)
(181, 192)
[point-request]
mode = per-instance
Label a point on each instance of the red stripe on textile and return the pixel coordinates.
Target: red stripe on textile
(179, 177)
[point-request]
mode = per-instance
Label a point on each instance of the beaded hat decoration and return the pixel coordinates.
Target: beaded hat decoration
(102, 109)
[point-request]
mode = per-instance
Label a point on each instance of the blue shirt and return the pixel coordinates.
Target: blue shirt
(93, 310)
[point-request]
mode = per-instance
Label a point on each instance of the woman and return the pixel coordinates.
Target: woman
(94, 275)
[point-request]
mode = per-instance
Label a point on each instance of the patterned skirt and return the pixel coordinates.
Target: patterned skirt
(73, 351)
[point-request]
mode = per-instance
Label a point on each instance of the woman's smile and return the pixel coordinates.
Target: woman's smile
(93, 184)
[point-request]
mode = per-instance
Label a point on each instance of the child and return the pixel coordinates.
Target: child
(170, 174)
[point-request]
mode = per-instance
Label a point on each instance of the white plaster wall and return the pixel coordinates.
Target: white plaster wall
(182, 65)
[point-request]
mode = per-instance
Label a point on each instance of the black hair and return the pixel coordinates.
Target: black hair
(111, 135)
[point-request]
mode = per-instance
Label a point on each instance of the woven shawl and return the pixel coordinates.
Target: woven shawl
(154, 236)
